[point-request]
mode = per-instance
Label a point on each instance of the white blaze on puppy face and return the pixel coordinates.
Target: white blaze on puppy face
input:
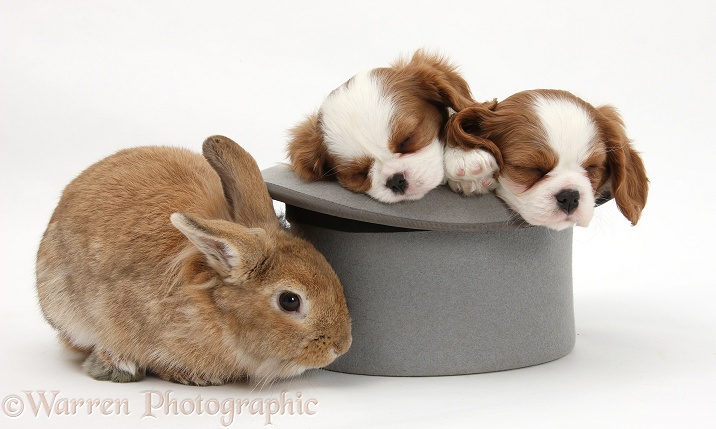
(359, 122)
(356, 119)
(569, 129)
(571, 134)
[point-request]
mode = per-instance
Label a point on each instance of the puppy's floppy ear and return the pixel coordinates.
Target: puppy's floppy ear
(465, 129)
(306, 150)
(627, 182)
(439, 81)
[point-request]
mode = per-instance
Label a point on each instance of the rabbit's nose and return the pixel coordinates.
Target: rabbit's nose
(342, 345)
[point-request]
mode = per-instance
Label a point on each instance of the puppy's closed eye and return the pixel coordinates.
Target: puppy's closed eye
(406, 145)
(591, 169)
(355, 175)
(595, 168)
(413, 132)
(528, 175)
(594, 171)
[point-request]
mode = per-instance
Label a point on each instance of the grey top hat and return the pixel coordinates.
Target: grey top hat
(444, 285)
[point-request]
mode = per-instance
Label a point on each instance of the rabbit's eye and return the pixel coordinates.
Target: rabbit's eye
(289, 301)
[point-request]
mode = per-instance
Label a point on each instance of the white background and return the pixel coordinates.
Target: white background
(82, 79)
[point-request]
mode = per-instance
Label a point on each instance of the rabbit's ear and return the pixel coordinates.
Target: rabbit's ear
(244, 188)
(233, 250)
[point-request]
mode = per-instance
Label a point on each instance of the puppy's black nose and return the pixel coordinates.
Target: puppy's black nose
(568, 200)
(397, 183)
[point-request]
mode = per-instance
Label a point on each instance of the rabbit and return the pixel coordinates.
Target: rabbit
(160, 261)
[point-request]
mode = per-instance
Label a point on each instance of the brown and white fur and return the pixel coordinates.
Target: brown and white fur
(556, 155)
(382, 132)
(158, 260)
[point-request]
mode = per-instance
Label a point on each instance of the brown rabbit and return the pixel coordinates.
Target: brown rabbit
(153, 262)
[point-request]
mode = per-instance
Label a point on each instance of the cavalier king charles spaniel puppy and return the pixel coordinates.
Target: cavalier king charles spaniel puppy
(555, 157)
(382, 132)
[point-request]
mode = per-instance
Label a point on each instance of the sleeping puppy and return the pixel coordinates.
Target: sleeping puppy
(382, 132)
(556, 156)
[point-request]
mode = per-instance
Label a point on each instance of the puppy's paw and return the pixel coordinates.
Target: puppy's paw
(470, 172)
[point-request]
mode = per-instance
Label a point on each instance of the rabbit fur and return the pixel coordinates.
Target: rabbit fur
(158, 260)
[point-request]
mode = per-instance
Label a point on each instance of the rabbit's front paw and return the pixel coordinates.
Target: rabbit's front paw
(470, 172)
(100, 366)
